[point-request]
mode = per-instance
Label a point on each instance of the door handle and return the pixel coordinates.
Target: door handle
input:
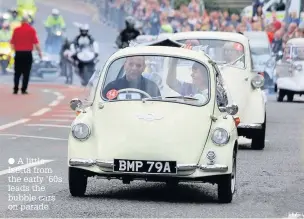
(246, 79)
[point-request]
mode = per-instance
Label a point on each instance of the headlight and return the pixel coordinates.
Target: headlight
(258, 81)
(220, 136)
(298, 67)
(81, 131)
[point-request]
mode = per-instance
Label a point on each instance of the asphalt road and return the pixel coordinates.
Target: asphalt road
(270, 183)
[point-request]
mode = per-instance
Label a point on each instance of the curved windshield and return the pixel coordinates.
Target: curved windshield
(157, 78)
(222, 51)
(294, 53)
(298, 53)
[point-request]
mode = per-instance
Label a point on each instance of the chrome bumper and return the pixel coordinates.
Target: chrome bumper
(250, 126)
(108, 166)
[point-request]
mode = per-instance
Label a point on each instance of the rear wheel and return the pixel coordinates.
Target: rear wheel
(77, 182)
(290, 97)
(258, 140)
(227, 184)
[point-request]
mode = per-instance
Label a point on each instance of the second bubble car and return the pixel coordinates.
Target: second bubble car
(131, 128)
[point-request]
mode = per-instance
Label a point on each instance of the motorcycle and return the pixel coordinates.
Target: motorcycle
(87, 59)
(54, 40)
(47, 66)
(6, 57)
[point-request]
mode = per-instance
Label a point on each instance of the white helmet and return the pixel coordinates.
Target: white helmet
(84, 27)
(55, 11)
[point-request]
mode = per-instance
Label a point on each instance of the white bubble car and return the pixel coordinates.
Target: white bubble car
(129, 128)
(231, 51)
(290, 71)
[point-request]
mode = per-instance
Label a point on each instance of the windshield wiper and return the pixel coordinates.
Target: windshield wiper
(181, 97)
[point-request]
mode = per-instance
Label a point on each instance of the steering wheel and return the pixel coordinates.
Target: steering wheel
(134, 90)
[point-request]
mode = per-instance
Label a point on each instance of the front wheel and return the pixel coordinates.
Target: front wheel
(4, 65)
(227, 184)
(258, 140)
(280, 95)
(77, 182)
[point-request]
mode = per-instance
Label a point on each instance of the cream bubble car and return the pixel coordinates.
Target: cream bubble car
(290, 71)
(231, 51)
(129, 129)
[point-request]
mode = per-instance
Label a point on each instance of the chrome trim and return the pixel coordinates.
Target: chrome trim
(214, 168)
(218, 144)
(104, 164)
(82, 162)
(108, 165)
(186, 167)
(250, 126)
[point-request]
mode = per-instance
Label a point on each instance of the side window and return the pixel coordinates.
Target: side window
(221, 93)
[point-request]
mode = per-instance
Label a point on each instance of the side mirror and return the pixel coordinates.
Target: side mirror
(232, 109)
(75, 104)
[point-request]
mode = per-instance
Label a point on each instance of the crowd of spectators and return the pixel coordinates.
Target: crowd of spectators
(157, 16)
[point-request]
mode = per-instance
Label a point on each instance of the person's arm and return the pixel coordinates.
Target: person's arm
(36, 43)
(62, 23)
(172, 82)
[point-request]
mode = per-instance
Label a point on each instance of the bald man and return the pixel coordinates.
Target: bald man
(134, 67)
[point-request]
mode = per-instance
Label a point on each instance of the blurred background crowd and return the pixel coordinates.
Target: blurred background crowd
(159, 16)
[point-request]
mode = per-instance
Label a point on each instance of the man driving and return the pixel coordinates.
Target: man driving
(134, 67)
(199, 83)
(233, 53)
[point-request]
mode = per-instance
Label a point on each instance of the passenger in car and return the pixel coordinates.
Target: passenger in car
(199, 80)
(134, 67)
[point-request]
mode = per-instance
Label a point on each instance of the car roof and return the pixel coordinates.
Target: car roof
(295, 42)
(236, 37)
(257, 38)
(160, 51)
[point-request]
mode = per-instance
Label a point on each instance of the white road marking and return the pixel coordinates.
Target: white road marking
(25, 166)
(11, 124)
(38, 137)
(57, 94)
(57, 120)
(49, 125)
(65, 111)
(69, 116)
(54, 103)
(41, 112)
(46, 90)
(60, 97)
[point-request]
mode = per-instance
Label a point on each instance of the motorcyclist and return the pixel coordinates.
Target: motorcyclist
(83, 40)
(53, 20)
(63, 59)
(14, 15)
(5, 36)
(5, 33)
(27, 7)
(128, 34)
